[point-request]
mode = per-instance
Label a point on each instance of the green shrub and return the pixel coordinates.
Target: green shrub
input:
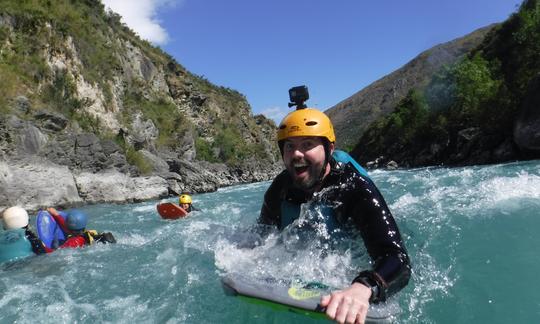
(61, 95)
(461, 90)
(84, 21)
(10, 83)
(88, 122)
(204, 150)
(137, 159)
(406, 122)
(230, 147)
(172, 124)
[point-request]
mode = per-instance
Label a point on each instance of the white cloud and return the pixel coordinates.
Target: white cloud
(275, 113)
(141, 17)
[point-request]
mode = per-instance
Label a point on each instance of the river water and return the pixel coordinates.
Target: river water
(471, 232)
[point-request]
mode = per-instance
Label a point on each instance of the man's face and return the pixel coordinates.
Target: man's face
(304, 160)
(184, 206)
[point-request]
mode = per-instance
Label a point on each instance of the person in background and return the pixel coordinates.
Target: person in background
(16, 218)
(306, 140)
(74, 228)
(186, 203)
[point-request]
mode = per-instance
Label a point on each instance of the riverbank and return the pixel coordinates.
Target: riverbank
(33, 182)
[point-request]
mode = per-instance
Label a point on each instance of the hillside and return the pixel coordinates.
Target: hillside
(352, 116)
(481, 109)
(83, 95)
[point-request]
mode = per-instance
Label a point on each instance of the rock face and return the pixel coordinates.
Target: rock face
(113, 186)
(35, 183)
(352, 116)
(94, 114)
(40, 168)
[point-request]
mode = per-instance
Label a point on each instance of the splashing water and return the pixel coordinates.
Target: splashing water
(471, 234)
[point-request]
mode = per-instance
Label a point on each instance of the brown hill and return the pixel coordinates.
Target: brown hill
(352, 116)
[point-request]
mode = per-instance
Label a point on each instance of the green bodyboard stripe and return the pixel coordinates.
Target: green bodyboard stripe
(295, 297)
(283, 308)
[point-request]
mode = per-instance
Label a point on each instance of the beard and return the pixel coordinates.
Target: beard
(305, 175)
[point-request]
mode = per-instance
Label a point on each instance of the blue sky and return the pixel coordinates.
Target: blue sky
(336, 48)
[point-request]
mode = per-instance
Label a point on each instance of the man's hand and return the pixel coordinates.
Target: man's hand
(349, 305)
(53, 211)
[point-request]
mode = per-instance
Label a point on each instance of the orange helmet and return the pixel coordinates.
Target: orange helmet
(306, 122)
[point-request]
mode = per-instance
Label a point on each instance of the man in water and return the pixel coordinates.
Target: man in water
(74, 228)
(306, 140)
(186, 203)
(15, 218)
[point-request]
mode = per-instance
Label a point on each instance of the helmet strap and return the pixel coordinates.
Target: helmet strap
(281, 144)
(326, 144)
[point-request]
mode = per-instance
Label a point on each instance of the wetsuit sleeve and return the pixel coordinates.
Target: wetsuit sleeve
(59, 219)
(271, 207)
(391, 271)
(37, 245)
(106, 237)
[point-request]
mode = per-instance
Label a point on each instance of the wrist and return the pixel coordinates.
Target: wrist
(371, 285)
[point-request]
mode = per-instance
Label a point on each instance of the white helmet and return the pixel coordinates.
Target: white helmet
(15, 217)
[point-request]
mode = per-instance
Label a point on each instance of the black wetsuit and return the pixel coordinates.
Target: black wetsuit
(360, 204)
(37, 245)
(191, 208)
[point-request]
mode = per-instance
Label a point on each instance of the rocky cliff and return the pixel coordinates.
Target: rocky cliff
(91, 113)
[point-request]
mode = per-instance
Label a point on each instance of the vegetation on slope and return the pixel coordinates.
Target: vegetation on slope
(481, 93)
(36, 28)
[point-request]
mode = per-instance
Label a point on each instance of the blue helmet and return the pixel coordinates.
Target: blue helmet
(76, 220)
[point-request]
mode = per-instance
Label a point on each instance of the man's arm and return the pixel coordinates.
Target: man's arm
(59, 219)
(391, 271)
(37, 245)
(383, 242)
(267, 215)
(271, 207)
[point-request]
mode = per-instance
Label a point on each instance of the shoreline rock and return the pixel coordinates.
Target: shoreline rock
(39, 169)
(115, 187)
(33, 183)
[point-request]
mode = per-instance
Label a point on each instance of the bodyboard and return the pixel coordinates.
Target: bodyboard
(171, 211)
(298, 297)
(14, 245)
(47, 228)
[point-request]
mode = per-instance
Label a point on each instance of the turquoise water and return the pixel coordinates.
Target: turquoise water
(471, 233)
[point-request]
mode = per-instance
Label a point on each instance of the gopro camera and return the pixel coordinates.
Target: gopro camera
(297, 96)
